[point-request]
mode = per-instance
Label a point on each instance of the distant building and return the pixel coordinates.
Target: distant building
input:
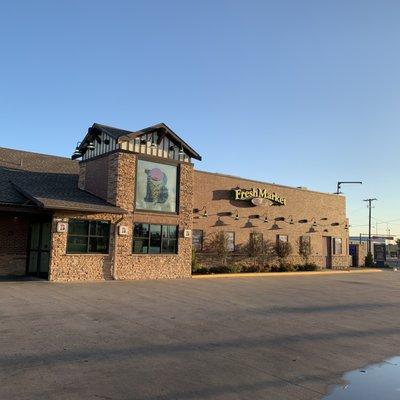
(383, 247)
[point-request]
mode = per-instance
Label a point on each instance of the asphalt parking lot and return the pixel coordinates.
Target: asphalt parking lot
(233, 338)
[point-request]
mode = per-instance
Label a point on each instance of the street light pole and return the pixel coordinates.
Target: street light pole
(339, 184)
(369, 222)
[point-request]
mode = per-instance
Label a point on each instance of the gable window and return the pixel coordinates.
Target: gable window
(155, 239)
(88, 236)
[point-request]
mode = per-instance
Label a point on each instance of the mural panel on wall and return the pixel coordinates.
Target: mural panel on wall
(156, 186)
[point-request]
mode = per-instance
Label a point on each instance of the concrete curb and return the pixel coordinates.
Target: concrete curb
(285, 274)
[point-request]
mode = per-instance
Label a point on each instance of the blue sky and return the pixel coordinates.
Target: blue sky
(301, 93)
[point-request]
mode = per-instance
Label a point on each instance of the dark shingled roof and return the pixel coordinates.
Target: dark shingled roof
(48, 182)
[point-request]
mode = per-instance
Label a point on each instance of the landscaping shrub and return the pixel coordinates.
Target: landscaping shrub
(256, 268)
(286, 268)
(196, 265)
(225, 269)
(307, 267)
(369, 260)
(218, 243)
(260, 251)
(283, 250)
(201, 271)
(305, 248)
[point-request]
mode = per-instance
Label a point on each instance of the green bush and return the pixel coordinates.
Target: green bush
(218, 243)
(307, 267)
(283, 250)
(369, 260)
(200, 271)
(286, 268)
(196, 265)
(256, 268)
(225, 269)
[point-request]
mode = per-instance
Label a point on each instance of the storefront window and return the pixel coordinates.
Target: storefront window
(156, 186)
(231, 240)
(197, 239)
(155, 239)
(337, 245)
(282, 238)
(88, 236)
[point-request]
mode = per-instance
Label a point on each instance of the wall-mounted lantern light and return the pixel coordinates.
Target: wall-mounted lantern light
(77, 151)
(197, 210)
(219, 222)
(153, 144)
(249, 224)
(90, 146)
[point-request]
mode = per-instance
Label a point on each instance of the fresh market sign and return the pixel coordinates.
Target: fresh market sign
(257, 193)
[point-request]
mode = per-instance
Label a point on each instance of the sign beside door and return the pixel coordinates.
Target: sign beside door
(62, 227)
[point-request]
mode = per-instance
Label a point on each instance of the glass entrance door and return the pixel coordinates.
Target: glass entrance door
(39, 249)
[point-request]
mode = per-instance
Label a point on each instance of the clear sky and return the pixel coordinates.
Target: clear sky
(301, 93)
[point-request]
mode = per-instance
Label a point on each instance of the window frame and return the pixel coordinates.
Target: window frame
(162, 239)
(278, 238)
(88, 222)
(155, 160)
(334, 243)
(201, 240)
(233, 240)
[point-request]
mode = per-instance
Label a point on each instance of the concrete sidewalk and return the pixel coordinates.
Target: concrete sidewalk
(286, 338)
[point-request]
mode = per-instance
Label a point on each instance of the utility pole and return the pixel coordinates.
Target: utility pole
(369, 222)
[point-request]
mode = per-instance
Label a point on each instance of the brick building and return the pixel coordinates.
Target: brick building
(129, 205)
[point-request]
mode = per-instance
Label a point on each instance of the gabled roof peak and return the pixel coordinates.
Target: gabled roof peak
(119, 135)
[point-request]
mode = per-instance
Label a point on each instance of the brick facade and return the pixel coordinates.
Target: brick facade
(13, 244)
(112, 177)
(213, 193)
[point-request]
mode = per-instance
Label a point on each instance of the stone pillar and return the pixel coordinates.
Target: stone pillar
(121, 180)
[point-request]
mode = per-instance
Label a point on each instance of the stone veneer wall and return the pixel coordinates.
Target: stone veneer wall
(121, 180)
(79, 267)
(146, 266)
(120, 263)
